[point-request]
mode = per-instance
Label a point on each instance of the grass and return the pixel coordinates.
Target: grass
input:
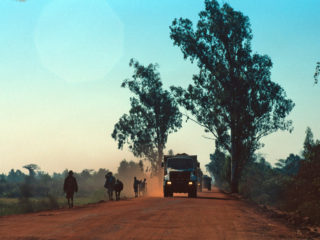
(9, 206)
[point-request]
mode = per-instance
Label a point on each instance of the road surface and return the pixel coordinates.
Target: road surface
(213, 215)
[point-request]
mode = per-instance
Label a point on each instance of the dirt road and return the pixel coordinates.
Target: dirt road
(213, 215)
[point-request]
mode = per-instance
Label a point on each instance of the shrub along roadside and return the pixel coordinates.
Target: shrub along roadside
(293, 185)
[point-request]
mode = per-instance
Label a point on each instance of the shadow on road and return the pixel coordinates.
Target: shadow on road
(209, 192)
(204, 197)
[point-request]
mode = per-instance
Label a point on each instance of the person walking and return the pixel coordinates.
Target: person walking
(70, 186)
(109, 184)
(136, 183)
(143, 187)
(118, 188)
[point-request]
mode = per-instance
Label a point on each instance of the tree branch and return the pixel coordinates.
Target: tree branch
(200, 124)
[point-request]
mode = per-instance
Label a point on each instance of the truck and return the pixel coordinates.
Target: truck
(207, 182)
(180, 174)
(200, 182)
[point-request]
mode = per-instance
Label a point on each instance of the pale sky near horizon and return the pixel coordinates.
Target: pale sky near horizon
(62, 63)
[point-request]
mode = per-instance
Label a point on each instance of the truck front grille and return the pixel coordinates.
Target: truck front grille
(179, 176)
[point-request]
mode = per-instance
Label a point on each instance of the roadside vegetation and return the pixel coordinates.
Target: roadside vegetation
(37, 190)
(292, 185)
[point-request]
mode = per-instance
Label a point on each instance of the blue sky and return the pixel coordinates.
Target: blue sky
(62, 63)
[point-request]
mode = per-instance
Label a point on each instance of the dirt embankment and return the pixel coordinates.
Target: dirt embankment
(213, 215)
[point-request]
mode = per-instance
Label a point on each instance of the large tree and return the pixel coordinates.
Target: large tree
(232, 96)
(317, 73)
(154, 114)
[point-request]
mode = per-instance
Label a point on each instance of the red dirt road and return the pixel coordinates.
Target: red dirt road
(213, 215)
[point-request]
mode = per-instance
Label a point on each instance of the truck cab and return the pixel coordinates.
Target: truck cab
(180, 174)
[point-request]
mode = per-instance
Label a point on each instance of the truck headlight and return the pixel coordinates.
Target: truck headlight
(168, 183)
(190, 183)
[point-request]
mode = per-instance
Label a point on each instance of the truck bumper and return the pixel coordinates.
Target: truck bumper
(176, 187)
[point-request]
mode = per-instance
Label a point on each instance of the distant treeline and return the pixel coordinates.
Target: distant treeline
(292, 185)
(36, 183)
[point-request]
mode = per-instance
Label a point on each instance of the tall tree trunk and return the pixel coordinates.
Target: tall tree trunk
(160, 157)
(235, 181)
(234, 160)
(239, 157)
(159, 168)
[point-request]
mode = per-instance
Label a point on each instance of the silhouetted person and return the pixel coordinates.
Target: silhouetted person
(109, 184)
(70, 186)
(136, 183)
(143, 187)
(118, 188)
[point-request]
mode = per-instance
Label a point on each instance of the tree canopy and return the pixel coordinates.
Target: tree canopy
(232, 96)
(154, 114)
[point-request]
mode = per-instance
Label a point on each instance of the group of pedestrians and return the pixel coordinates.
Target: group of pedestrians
(139, 187)
(112, 184)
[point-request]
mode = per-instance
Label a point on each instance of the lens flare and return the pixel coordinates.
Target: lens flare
(79, 40)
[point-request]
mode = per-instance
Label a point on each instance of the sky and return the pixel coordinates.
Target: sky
(62, 63)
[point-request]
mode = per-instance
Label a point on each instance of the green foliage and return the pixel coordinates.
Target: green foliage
(153, 115)
(293, 185)
(290, 166)
(15, 176)
(32, 168)
(317, 73)
(24, 205)
(232, 96)
(263, 184)
(170, 152)
(41, 185)
(304, 194)
(219, 167)
(308, 143)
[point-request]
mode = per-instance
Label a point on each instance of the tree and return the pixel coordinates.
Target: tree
(154, 114)
(2, 178)
(289, 166)
(219, 168)
(317, 73)
(130, 169)
(170, 152)
(232, 96)
(15, 176)
(308, 143)
(32, 169)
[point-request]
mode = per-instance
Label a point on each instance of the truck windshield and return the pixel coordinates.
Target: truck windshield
(180, 163)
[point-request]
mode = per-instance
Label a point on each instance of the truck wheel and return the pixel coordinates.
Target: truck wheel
(165, 193)
(192, 193)
(195, 194)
